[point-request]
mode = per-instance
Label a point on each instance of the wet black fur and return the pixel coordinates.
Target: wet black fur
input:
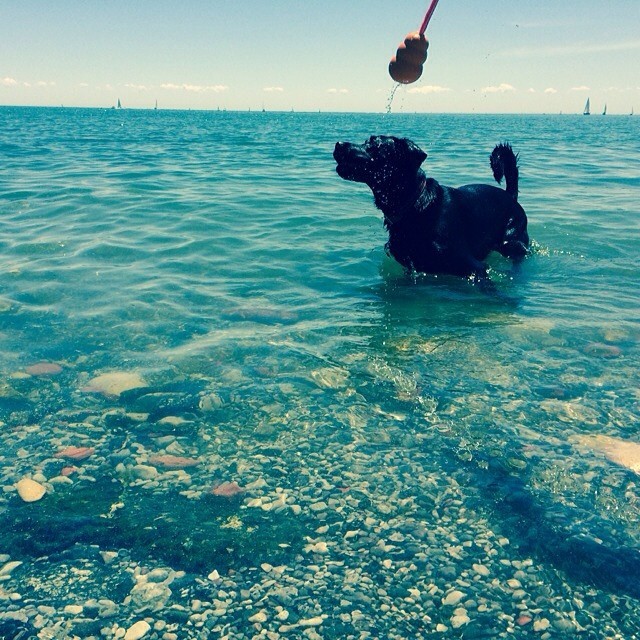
(434, 228)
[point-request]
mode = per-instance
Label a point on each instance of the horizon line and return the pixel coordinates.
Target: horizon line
(303, 111)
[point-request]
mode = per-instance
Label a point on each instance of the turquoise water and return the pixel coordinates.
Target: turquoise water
(387, 432)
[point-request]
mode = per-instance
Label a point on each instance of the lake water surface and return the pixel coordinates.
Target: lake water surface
(250, 423)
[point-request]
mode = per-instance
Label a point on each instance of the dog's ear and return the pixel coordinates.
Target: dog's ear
(415, 154)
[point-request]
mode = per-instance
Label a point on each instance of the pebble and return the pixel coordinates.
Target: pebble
(30, 490)
(6, 570)
(541, 625)
(259, 617)
(480, 569)
(157, 575)
(144, 472)
(459, 620)
(73, 609)
(108, 556)
(75, 453)
(150, 595)
(137, 630)
(173, 462)
(453, 598)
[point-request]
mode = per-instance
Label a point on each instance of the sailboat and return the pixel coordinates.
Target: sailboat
(156, 107)
(587, 109)
(119, 104)
(631, 111)
(604, 112)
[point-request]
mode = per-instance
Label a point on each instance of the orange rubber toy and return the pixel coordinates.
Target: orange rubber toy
(406, 66)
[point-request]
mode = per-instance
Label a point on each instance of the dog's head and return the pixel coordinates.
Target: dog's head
(382, 162)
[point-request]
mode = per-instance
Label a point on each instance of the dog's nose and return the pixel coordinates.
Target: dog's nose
(339, 150)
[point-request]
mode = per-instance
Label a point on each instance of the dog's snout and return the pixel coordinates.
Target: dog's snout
(340, 150)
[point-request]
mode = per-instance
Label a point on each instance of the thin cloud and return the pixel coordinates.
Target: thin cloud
(620, 89)
(273, 89)
(581, 88)
(137, 87)
(430, 88)
(550, 90)
(334, 90)
(194, 88)
(12, 82)
(501, 88)
(572, 49)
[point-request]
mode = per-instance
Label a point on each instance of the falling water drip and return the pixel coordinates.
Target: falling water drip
(391, 96)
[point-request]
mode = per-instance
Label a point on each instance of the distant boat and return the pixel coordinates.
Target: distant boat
(119, 104)
(587, 109)
(631, 111)
(604, 111)
(156, 107)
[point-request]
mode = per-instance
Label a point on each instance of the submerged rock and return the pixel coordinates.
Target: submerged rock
(75, 453)
(625, 453)
(43, 369)
(137, 630)
(30, 490)
(115, 383)
(173, 462)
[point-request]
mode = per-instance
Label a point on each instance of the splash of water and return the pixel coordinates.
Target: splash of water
(396, 86)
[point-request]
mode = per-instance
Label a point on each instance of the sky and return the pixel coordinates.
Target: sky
(489, 56)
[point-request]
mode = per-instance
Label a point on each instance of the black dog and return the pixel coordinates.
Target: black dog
(434, 228)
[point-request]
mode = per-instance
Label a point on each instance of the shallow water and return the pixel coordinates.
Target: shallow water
(396, 439)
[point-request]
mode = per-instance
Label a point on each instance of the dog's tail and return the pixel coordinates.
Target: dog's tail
(504, 164)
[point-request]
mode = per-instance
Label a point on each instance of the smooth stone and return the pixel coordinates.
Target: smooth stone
(480, 569)
(460, 620)
(107, 608)
(73, 609)
(157, 575)
(137, 630)
(453, 598)
(259, 617)
(145, 472)
(30, 490)
(541, 625)
(316, 621)
(115, 383)
(9, 567)
(43, 369)
(109, 556)
(150, 595)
